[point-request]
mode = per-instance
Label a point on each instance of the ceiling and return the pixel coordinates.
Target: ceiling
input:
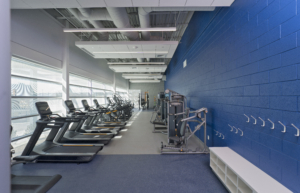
(118, 48)
(129, 49)
(138, 68)
(46, 4)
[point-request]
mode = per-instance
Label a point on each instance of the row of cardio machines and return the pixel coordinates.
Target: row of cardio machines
(76, 138)
(172, 118)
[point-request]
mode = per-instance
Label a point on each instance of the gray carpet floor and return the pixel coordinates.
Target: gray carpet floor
(132, 163)
(131, 174)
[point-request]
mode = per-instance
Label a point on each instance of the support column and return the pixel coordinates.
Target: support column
(5, 103)
(65, 70)
(114, 85)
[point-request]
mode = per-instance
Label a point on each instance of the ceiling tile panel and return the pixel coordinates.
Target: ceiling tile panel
(118, 3)
(145, 3)
(172, 3)
(133, 48)
(121, 48)
(222, 3)
(148, 47)
(19, 4)
(191, 3)
(65, 3)
(39, 3)
(92, 3)
(162, 47)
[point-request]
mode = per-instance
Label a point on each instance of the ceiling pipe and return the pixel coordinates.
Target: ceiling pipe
(144, 15)
(120, 18)
(84, 23)
(103, 36)
(95, 14)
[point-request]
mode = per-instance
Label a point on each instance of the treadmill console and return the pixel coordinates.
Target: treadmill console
(43, 108)
(85, 104)
(70, 105)
(96, 103)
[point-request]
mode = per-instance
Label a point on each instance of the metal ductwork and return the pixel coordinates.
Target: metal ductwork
(104, 36)
(95, 14)
(117, 15)
(144, 15)
(84, 23)
(120, 18)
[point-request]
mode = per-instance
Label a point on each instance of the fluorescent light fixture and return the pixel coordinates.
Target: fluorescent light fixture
(118, 29)
(142, 76)
(141, 69)
(144, 81)
(135, 52)
(135, 63)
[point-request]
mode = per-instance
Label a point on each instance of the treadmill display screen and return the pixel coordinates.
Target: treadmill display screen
(96, 102)
(43, 108)
(70, 105)
(85, 104)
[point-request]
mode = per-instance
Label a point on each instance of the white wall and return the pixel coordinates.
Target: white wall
(37, 36)
(95, 68)
(34, 35)
(152, 88)
(121, 82)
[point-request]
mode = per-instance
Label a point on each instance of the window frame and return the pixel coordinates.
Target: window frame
(19, 59)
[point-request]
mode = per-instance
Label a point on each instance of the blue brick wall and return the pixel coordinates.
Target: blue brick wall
(245, 59)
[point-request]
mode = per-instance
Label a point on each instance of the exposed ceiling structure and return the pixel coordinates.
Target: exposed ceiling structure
(137, 37)
(46, 4)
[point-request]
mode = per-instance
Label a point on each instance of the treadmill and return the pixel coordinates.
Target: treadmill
(51, 151)
(103, 110)
(64, 135)
(30, 184)
(99, 112)
(86, 125)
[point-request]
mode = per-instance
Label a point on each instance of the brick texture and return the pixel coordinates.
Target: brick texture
(245, 59)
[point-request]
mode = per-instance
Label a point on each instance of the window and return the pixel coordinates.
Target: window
(84, 88)
(32, 82)
(122, 92)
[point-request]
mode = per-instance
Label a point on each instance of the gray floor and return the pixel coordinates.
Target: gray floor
(129, 172)
(138, 138)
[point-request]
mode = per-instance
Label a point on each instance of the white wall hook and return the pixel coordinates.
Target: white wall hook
(241, 131)
(264, 124)
(223, 136)
(216, 132)
(273, 125)
(230, 127)
(247, 118)
(284, 127)
(236, 129)
(298, 133)
(254, 120)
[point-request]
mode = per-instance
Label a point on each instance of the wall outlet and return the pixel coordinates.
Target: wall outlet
(208, 137)
(184, 64)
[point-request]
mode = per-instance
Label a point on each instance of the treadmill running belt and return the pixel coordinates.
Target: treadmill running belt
(33, 184)
(73, 149)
